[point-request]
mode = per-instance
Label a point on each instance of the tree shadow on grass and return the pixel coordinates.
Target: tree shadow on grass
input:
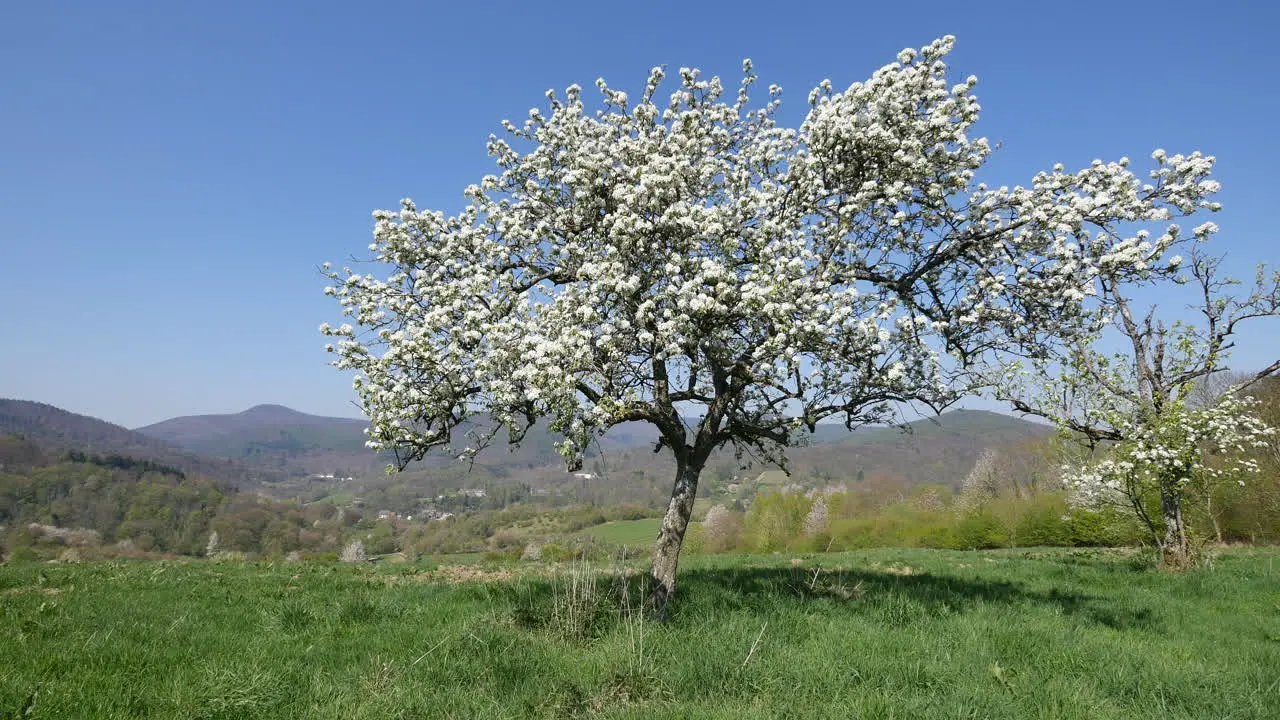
(895, 597)
(892, 597)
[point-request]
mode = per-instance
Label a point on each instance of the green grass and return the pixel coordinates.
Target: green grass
(341, 498)
(629, 533)
(880, 634)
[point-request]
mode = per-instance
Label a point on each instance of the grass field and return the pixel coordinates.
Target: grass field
(628, 533)
(878, 634)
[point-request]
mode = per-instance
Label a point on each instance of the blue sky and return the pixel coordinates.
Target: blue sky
(171, 174)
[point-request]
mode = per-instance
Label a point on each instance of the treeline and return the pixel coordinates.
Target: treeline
(121, 462)
(931, 517)
(1013, 497)
(152, 509)
(86, 506)
(115, 505)
(406, 491)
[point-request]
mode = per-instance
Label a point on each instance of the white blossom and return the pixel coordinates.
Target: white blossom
(645, 258)
(1172, 451)
(816, 520)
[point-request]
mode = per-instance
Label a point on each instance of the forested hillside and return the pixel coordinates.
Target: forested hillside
(110, 505)
(939, 450)
(87, 499)
(53, 428)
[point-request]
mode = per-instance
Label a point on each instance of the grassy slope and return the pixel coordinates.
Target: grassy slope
(929, 634)
(630, 533)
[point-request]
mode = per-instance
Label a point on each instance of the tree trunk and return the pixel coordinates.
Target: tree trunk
(666, 554)
(1213, 517)
(1175, 551)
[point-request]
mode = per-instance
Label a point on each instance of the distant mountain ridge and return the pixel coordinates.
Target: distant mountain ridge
(55, 429)
(282, 438)
(266, 445)
(198, 429)
(272, 436)
(935, 450)
(190, 427)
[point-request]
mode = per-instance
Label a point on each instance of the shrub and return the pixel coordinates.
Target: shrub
(553, 552)
(979, 530)
(502, 556)
(695, 538)
(898, 525)
(722, 529)
(23, 554)
(775, 521)
(1044, 522)
(382, 540)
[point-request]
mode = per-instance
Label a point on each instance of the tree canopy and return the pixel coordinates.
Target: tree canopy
(660, 259)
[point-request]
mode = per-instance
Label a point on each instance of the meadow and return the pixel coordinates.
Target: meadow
(870, 634)
(627, 533)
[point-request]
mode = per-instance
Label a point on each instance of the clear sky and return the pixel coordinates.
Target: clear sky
(171, 174)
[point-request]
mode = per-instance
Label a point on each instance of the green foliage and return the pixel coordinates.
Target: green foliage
(555, 552)
(695, 539)
(899, 525)
(926, 520)
(1045, 521)
(120, 499)
(775, 521)
(382, 540)
(22, 554)
(978, 530)
(120, 462)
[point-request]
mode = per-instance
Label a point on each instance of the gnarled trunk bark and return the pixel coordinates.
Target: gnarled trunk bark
(666, 554)
(1175, 550)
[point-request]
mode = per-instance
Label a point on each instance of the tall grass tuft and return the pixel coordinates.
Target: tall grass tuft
(576, 600)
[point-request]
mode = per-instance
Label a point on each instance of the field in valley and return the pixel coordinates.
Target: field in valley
(877, 634)
(626, 533)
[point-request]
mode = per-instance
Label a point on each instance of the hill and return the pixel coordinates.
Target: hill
(196, 431)
(284, 439)
(58, 430)
(273, 448)
(92, 500)
(939, 450)
(273, 436)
